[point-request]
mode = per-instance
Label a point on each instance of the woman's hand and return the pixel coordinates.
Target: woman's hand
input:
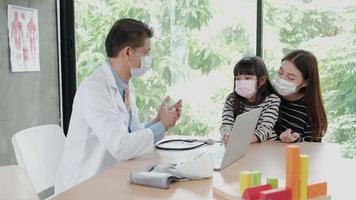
(288, 137)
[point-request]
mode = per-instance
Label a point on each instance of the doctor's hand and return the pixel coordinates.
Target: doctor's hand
(168, 117)
(161, 108)
(177, 107)
(288, 137)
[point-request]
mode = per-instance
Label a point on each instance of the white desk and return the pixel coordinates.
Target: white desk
(325, 164)
(14, 184)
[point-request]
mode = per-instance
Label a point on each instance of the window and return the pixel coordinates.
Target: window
(327, 28)
(195, 47)
(198, 42)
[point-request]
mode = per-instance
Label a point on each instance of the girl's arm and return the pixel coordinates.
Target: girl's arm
(269, 116)
(227, 117)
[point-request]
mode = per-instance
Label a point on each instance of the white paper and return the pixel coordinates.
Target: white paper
(23, 38)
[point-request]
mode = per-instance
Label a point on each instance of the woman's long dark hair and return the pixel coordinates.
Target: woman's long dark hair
(251, 65)
(307, 64)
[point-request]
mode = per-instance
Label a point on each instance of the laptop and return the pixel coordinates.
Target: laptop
(239, 142)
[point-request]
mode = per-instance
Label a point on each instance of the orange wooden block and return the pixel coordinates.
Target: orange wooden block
(321, 198)
(317, 189)
(293, 159)
(293, 170)
(293, 182)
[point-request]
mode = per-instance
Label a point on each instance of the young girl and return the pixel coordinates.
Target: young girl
(302, 114)
(252, 89)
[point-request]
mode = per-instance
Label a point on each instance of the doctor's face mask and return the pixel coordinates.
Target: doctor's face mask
(143, 68)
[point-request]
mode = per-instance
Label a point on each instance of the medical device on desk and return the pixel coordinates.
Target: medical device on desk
(184, 144)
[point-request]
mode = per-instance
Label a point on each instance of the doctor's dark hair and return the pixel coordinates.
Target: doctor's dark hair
(251, 65)
(307, 64)
(126, 32)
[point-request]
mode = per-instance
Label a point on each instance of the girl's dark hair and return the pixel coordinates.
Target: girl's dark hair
(251, 65)
(307, 64)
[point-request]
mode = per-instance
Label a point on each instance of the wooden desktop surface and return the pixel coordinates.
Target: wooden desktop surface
(326, 164)
(14, 184)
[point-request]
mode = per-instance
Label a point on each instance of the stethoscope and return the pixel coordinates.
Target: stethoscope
(191, 144)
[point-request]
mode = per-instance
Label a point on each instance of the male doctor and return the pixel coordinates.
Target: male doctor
(104, 127)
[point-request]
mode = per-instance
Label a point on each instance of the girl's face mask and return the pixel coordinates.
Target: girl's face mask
(245, 88)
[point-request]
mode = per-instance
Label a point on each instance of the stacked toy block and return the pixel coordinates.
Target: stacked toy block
(296, 187)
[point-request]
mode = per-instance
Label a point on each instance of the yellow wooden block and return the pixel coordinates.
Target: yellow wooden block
(245, 180)
(304, 175)
(304, 167)
(303, 189)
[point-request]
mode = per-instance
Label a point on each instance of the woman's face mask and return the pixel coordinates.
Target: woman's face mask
(145, 65)
(245, 88)
(289, 79)
(284, 87)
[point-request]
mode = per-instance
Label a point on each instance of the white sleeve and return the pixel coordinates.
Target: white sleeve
(110, 129)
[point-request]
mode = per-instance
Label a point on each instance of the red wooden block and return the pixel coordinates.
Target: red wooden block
(253, 193)
(276, 194)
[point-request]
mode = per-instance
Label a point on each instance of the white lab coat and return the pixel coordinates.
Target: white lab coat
(98, 133)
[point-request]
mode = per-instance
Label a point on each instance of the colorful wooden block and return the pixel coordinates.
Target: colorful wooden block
(303, 189)
(293, 182)
(276, 194)
(293, 159)
(293, 170)
(227, 192)
(245, 180)
(328, 197)
(253, 193)
(304, 166)
(273, 181)
(317, 189)
(256, 178)
(304, 175)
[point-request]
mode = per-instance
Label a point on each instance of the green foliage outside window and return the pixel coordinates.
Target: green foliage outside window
(330, 33)
(181, 52)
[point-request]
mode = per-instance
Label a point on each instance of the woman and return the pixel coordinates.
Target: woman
(302, 115)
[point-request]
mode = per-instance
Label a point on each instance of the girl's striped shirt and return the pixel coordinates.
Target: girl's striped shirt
(266, 122)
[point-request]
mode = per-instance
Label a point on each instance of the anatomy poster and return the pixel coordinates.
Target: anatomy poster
(23, 38)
